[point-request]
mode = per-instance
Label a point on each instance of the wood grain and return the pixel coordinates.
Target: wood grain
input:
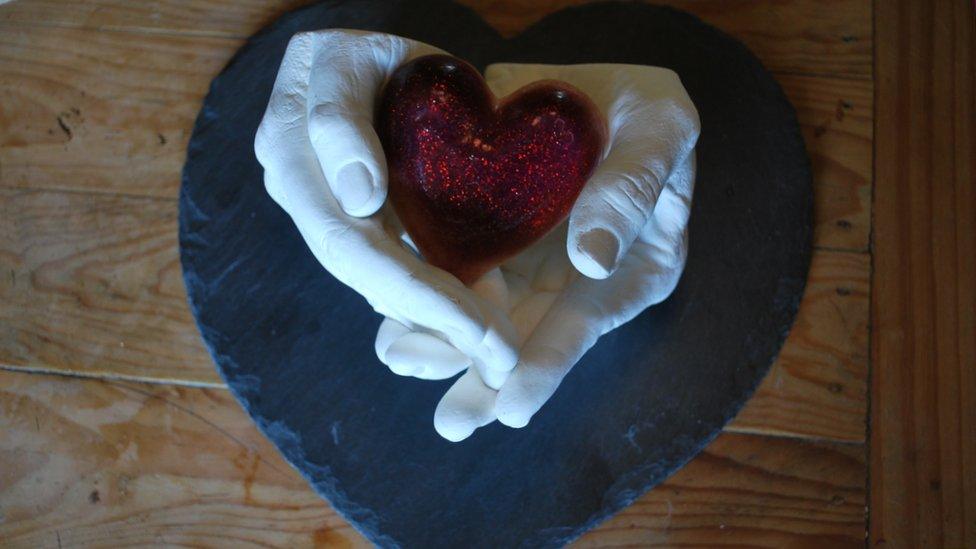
(797, 36)
(96, 103)
(793, 36)
(746, 491)
(95, 463)
(836, 117)
(113, 114)
(91, 285)
(103, 112)
(91, 462)
(923, 412)
(818, 386)
(224, 18)
(97, 100)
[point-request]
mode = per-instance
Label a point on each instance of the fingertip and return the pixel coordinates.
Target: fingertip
(404, 369)
(351, 157)
(356, 190)
(512, 417)
(389, 331)
(425, 356)
(594, 252)
(466, 406)
(514, 406)
(452, 432)
(402, 358)
(514, 420)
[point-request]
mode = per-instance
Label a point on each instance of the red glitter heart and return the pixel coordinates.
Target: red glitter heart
(475, 180)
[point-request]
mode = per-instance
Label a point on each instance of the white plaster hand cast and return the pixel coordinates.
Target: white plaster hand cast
(622, 249)
(324, 165)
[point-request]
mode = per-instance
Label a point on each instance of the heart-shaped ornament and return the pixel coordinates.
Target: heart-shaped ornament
(475, 179)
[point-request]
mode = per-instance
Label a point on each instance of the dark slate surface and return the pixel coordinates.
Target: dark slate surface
(296, 346)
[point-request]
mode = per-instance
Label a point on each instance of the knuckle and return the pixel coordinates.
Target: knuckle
(324, 117)
(301, 43)
(287, 108)
(337, 122)
(334, 239)
(631, 194)
(641, 184)
(388, 50)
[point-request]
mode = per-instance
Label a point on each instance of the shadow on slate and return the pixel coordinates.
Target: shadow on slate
(296, 346)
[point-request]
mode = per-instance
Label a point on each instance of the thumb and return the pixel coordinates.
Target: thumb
(350, 155)
(344, 77)
(609, 214)
(651, 133)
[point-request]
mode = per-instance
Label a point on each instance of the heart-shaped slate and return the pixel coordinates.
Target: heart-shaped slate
(475, 180)
(295, 346)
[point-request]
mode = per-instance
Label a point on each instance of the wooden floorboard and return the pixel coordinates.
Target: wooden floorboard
(92, 462)
(818, 386)
(97, 100)
(923, 411)
(112, 117)
(113, 113)
(836, 117)
(97, 463)
(101, 112)
(91, 284)
(827, 37)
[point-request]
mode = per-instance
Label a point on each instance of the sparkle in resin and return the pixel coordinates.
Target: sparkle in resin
(475, 180)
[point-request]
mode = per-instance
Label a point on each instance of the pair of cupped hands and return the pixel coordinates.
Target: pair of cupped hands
(519, 330)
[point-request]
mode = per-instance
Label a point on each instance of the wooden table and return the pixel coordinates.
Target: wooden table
(116, 429)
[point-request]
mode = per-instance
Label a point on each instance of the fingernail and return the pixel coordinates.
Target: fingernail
(601, 247)
(354, 186)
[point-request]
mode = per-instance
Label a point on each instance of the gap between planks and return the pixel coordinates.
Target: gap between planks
(105, 376)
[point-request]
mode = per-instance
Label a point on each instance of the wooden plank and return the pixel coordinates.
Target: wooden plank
(101, 463)
(100, 111)
(923, 411)
(113, 113)
(836, 117)
(818, 386)
(793, 36)
(798, 36)
(91, 285)
(226, 18)
(94, 463)
(747, 491)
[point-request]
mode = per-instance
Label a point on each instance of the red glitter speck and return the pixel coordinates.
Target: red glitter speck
(475, 180)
